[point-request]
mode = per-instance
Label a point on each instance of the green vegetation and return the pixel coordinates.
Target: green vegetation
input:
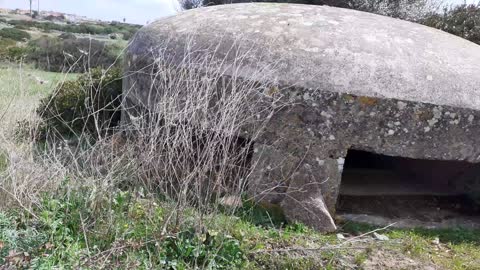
(59, 54)
(21, 27)
(11, 52)
(129, 230)
(67, 36)
(456, 248)
(89, 104)
(18, 83)
(462, 21)
(119, 224)
(21, 87)
(14, 53)
(3, 161)
(15, 34)
(71, 54)
(94, 29)
(69, 233)
(133, 228)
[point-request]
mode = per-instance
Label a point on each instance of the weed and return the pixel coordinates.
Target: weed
(3, 161)
(68, 53)
(88, 105)
(360, 258)
(83, 28)
(15, 34)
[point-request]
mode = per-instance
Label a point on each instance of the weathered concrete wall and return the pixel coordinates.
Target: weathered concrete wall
(326, 125)
(354, 81)
(333, 49)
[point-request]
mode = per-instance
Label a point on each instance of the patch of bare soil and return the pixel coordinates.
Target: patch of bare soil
(411, 211)
(351, 252)
(391, 259)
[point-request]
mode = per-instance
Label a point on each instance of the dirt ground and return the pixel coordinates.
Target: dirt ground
(411, 211)
(388, 259)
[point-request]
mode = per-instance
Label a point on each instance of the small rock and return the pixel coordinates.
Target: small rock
(401, 105)
(471, 118)
(340, 236)
(231, 201)
(436, 241)
(380, 237)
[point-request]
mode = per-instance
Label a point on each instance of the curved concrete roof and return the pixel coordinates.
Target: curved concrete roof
(341, 50)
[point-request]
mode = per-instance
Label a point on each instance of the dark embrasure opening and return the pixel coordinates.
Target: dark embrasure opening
(404, 188)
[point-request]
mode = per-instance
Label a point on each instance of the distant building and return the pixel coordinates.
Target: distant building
(75, 18)
(52, 16)
(20, 11)
(51, 13)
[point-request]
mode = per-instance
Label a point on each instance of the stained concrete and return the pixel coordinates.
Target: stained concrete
(353, 81)
(340, 50)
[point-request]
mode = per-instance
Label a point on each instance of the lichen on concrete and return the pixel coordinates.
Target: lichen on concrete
(353, 81)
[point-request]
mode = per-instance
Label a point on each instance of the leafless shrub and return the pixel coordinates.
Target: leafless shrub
(196, 132)
(34, 169)
(192, 144)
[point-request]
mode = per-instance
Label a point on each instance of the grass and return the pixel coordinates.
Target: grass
(454, 248)
(21, 88)
(18, 80)
(132, 234)
(126, 228)
(3, 161)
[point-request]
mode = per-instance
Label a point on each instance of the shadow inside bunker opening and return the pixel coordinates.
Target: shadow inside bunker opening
(415, 193)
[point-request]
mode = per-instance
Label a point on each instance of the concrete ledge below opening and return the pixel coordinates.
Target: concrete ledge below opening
(381, 190)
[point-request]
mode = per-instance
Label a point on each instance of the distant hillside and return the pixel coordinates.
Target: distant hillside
(54, 41)
(50, 16)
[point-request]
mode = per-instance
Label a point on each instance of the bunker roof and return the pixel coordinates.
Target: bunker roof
(341, 50)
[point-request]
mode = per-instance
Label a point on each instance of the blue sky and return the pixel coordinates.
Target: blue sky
(135, 11)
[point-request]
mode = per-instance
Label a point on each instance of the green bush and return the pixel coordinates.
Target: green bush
(70, 54)
(7, 42)
(21, 27)
(128, 34)
(83, 28)
(23, 22)
(15, 54)
(213, 251)
(71, 108)
(3, 161)
(67, 36)
(9, 51)
(462, 20)
(15, 34)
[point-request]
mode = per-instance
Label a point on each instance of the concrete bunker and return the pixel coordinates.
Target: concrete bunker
(349, 79)
(384, 189)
